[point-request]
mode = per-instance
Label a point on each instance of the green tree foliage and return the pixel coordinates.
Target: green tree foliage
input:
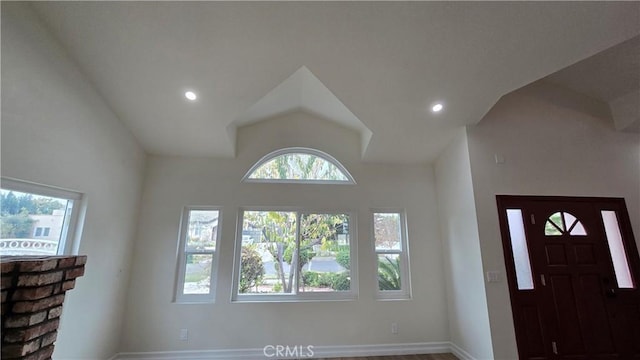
(340, 281)
(343, 257)
(389, 273)
(298, 166)
(10, 204)
(278, 229)
(15, 211)
(252, 269)
(305, 254)
(337, 281)
(16, 226)
(34, 205)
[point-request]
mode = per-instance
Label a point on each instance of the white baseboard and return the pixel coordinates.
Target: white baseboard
(460, 353)
(318, 352)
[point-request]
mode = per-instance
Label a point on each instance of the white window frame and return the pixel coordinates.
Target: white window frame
(352, 294)
(299, 150)
(71, 234)
(405, 275)
(180, 296)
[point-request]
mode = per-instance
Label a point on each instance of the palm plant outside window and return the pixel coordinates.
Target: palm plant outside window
(390, 243)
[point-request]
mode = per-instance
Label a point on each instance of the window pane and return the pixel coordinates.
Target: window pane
(268, 250)
(298, 166)
(618, 254)
(578, 230)
(569, 220)
(389, 272)
(324, 256)
(197, 277)
(203, 230)
(519, 249)
(387, 231)
(550, 229)
(556, 218)
(32, 224)
(562, 222)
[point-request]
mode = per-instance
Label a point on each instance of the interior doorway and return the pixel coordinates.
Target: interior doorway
(573, 271)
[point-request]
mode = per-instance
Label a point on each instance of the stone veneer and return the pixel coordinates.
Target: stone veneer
(33, 290)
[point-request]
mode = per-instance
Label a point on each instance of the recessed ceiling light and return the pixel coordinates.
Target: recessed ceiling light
(437, 107)
(190, 95)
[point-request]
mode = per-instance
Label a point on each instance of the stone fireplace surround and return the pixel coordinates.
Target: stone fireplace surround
(33, 291)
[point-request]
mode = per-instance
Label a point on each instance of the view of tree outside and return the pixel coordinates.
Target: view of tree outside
(271, 234)
(290, 252)
(388, 243)
(298, 166)
(273, 259)
(387, 231)
(325, 239)
(30, 217)
(200, 247)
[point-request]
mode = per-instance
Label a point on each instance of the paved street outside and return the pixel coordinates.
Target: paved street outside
(319, 264)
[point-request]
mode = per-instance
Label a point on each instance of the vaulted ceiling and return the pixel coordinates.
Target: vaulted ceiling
(376, 67)
(611, 77)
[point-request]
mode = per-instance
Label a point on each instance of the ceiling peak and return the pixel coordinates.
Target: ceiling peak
(302, 91)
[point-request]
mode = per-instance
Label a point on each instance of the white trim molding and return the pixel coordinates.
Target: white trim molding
(460, 353)
(318, 352)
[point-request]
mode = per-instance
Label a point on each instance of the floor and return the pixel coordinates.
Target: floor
(402, 357)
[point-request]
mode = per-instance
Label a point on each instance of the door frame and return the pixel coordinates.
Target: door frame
(505, 202)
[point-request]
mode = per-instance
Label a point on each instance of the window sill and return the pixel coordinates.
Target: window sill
(292, 298)
(393, 296)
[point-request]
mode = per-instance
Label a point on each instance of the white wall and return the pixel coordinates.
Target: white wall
(468, 316)
(56, 130)
(549, 149)
(153, 321)
(626, 112)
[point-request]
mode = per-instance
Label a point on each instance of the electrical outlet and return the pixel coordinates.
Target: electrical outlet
(184, 334)
(394, 327)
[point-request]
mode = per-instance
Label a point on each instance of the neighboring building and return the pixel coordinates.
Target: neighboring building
(47, 227)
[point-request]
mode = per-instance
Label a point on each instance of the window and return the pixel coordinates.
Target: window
(299, 165)
(390, 243)
(561, 223)
(285, 255)
(197, 255)
(616, 247)
(520, 250)
(27, 208)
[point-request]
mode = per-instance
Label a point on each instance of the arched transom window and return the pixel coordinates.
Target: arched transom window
(561, 223)
(299, 165)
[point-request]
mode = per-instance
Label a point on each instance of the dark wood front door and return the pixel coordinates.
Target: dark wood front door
(573, 272)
